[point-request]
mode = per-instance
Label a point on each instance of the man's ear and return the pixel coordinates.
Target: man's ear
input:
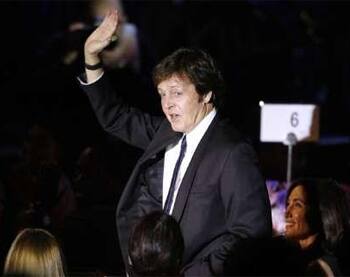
(207, 97)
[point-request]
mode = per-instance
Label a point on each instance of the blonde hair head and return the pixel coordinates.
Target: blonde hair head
(34, 252)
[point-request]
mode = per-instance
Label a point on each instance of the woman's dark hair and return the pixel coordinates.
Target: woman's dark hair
(198, 66)
(327, 210)
(156, 246)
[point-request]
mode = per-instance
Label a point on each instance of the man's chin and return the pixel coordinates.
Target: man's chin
(176, 128)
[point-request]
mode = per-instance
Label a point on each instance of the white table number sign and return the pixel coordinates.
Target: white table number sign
(279, 120)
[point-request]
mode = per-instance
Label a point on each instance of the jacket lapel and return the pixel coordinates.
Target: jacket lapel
(166, 137)
(187, 181)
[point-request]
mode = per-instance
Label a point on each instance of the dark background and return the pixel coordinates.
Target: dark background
(276, 51)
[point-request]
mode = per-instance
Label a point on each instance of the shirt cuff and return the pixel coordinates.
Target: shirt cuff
(82, 79)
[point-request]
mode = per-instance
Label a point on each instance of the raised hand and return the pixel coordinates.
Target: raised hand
(101, 37)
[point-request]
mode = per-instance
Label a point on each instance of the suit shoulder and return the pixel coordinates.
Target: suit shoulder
(230, 134)
(227, 139)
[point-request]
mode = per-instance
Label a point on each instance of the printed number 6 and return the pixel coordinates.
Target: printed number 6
(294, 121)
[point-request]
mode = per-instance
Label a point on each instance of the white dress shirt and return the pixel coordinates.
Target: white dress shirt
(82, 79)
(172, 153)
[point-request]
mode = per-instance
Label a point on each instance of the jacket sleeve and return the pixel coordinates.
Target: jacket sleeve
(247, 209)
(117, 117)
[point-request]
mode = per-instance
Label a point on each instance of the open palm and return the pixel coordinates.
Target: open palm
(103, 34)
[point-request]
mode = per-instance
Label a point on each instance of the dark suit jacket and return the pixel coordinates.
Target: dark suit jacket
(222, 197)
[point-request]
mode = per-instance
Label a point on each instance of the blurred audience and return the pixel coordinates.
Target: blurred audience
(34, 252)
(156, 246)
(126, 63)
(124, 51)
(39, 193)
(96, 184)
(277, 196)
(95, 169)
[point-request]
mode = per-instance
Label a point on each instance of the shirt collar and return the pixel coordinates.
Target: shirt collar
(195, 135)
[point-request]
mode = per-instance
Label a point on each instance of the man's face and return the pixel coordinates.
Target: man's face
(181, 104)
(297, 227)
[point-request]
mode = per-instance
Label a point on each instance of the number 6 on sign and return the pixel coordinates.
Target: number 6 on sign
(294, 119)
(279, 120)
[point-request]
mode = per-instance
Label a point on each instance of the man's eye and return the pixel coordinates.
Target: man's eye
(178, 93)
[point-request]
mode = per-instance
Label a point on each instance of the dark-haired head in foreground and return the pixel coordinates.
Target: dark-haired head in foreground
(156, 246)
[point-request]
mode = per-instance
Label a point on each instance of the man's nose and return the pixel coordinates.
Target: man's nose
(168, 103)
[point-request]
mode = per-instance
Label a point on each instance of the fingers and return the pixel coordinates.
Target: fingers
(103, 35)
(110, 22)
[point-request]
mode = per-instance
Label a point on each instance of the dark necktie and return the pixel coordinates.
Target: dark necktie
(170, 197)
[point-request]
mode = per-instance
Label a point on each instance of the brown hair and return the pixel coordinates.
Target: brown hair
(196, 65)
